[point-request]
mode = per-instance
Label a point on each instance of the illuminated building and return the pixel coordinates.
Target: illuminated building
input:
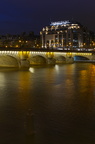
(66, 34)
(26, 40)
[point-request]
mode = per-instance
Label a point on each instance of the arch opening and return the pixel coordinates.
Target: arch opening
(37, 60)
(80, 58)
(60, 59)
(8, 61)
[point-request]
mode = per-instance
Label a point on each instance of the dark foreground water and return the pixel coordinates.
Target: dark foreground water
(48, 105)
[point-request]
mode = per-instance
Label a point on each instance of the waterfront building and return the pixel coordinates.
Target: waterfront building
(27, 40)
(67, 34)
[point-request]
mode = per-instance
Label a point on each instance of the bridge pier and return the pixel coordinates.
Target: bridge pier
(24, 63)
(69, 60)
(93, 57)
(51, 61)
(26, 58)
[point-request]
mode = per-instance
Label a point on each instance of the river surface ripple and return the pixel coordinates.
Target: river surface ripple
(48, 105)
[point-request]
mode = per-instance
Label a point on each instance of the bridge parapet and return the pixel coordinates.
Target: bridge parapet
(26, 57)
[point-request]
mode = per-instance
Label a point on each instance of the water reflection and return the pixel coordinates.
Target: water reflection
(31, 70)
(48, 105)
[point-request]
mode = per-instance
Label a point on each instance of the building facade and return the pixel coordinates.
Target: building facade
(67, 34)
(27, 40)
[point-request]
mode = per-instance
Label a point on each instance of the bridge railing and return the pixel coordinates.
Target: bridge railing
(46, 49)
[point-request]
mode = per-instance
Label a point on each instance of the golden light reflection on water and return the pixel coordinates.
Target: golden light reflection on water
(24, 85)
(86, 88)
(88, 76)
(64, 99)
(2, 79)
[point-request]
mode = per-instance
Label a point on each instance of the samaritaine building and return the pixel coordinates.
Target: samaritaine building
(67, 34)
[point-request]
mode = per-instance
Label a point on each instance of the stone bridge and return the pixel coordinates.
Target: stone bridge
(25, 57)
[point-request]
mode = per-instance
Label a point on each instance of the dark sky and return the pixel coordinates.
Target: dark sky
(17, 16)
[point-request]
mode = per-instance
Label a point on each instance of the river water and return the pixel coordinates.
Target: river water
(48, 105)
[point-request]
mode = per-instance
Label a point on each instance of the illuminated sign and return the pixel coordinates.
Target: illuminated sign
(59, 23)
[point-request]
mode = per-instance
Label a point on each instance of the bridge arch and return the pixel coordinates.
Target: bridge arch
(37, 60)
(80, 58)
(60, 59)
(8, 61)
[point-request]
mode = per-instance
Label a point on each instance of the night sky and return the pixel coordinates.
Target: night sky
(17, 16)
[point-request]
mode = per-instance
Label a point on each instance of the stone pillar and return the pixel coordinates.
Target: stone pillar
(51, 61)
(92, 57)
(69, 59)
(24, 63)
(50, 58)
